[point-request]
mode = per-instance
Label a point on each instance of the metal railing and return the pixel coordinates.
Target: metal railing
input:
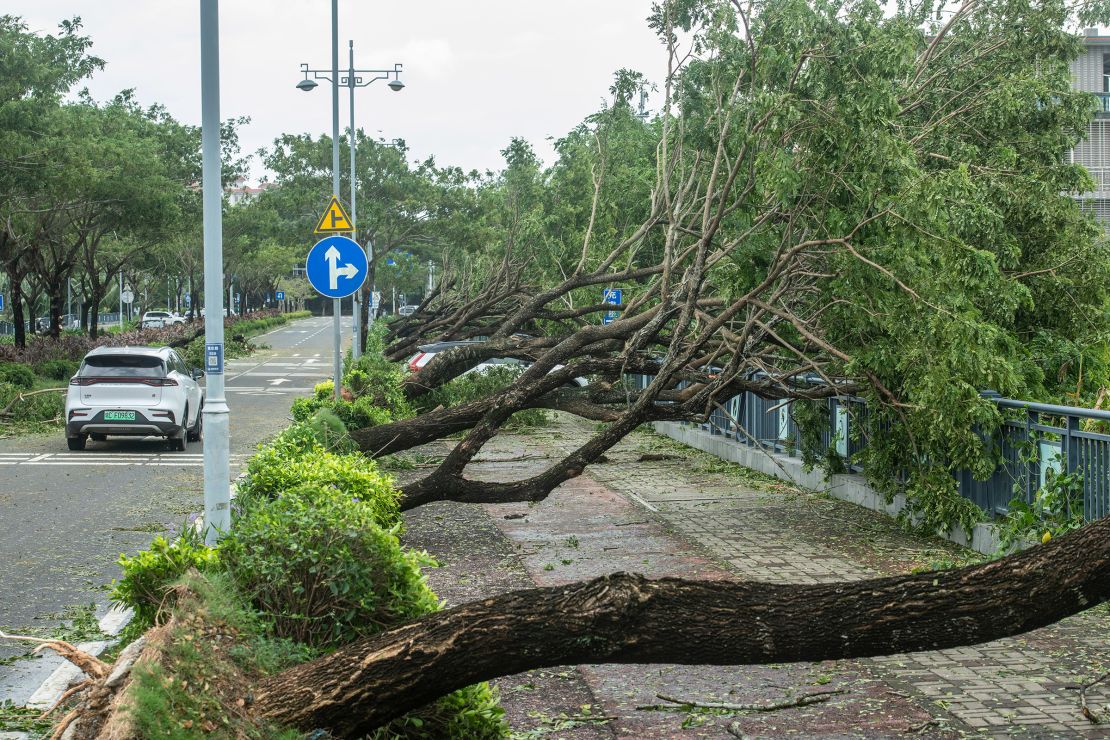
(1034, 439)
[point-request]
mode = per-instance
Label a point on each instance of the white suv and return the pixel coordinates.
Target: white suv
(160, 319)
(134, 392)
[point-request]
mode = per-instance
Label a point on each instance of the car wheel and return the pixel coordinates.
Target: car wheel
(197, 432)
(77, 443)
(97, 437)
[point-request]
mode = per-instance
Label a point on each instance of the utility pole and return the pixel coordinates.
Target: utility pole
(337, 303)
(121, 300)
(217, 475)
(356, 349)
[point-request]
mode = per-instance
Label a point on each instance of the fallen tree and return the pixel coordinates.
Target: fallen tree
(825, 220)
(625, 618)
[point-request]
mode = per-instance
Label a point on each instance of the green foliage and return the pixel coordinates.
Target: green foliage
(375, 378)
(472, 712)
(473, 386)
(32, 413)
(17, 375)
(57, 369)
(320, 564)
(357, 414)
(1057, 509)
(149, 574)
(297, 457)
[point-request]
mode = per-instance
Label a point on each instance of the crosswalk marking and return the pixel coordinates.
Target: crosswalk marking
(94, 458)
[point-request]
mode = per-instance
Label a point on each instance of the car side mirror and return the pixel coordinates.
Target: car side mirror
(197, 373)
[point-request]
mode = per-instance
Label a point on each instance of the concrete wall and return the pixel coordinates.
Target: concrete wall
(851, 488)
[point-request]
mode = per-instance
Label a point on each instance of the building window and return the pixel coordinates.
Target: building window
(1105, 72)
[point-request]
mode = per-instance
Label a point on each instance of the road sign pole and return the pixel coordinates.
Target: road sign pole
(356, 339)
(217, 476)
(337, 304)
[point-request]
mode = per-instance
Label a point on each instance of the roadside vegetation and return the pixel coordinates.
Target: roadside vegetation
(33, 380)
(315, 561)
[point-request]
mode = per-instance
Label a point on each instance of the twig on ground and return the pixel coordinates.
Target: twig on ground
(918, 729)
(680, 704)
(1091, 716)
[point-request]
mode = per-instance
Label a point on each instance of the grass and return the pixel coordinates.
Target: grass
(193, 691)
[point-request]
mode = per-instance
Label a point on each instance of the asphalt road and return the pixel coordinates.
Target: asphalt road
(65, 517)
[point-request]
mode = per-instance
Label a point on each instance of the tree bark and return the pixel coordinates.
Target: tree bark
(16, 281)
(625, 618)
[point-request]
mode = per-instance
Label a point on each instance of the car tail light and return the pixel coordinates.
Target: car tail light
(153, 382)
(414, 363)
(78, 412)
(165, 414)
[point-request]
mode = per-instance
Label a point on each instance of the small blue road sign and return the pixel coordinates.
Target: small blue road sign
(612, 296)
(214, 359)
(336, 266)
(280, 295)
(188, 300)
(1, 301)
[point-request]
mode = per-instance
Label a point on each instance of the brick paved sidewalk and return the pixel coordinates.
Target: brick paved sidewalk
(697, 517)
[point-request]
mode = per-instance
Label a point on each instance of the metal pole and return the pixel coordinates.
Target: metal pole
(217, 471)
(337, 305)
(356, 349)
(121, 299)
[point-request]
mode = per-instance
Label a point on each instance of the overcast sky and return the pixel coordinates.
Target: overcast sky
(477, 73)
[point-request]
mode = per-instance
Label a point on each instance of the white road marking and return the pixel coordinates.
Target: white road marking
(279, 381)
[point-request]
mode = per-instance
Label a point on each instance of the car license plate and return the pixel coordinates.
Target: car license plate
(119, 416)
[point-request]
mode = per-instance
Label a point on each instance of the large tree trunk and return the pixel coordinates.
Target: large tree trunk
(626, 618)
(97, 295)
(16, 281)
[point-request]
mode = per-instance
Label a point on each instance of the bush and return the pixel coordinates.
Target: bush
(296, 457)
(473, 713)
(19, 375)
(43, 407)
(319, 563)
(377, 379)
(476, 385)
(357, 414)
(148, 575)
(57, 369)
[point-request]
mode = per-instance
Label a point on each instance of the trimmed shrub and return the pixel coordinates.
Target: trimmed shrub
(319, 563)
(297, 457)
(19, 375)
(149, 574)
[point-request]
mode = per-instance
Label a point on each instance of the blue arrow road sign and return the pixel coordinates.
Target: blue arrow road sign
(280, 295)
(1, 301)
(336, 266)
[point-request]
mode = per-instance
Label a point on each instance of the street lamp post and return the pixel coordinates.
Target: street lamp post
(354, 78)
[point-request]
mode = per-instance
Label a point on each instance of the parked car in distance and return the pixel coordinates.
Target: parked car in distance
(232, 312)
(428, 351)
(134, 392)
(159, 319)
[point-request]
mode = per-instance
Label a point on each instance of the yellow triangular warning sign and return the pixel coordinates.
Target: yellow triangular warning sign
(334, 219)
